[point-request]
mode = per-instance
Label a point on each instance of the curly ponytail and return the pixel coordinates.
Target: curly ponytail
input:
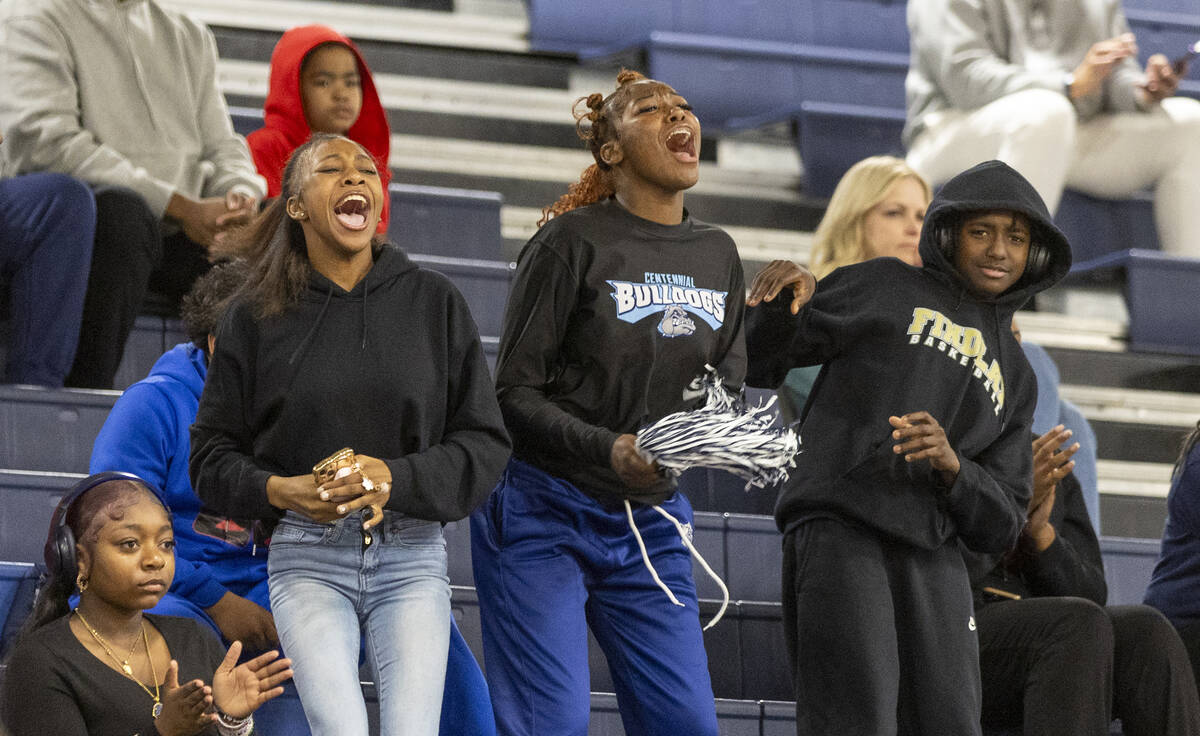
(594, 124)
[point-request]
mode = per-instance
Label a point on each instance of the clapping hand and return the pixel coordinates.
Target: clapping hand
(185, 708)
(239, 689)
(920, 437)
(1050, 465)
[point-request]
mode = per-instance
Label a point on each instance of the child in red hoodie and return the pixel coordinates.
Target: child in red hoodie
(319, 84)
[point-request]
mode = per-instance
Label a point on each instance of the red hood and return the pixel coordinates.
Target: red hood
(284, 125)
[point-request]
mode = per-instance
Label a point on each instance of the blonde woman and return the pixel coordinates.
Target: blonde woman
(875, 212)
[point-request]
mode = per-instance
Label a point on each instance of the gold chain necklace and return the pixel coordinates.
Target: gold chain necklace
(125, 666)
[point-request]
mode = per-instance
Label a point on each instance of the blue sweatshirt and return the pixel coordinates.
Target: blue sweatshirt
(147, 434)
(1175, 586)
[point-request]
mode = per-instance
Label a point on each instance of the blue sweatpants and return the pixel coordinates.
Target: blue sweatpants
(549, 562)
(47, 223)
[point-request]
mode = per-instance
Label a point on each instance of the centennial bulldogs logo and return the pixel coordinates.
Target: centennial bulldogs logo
(673, 296)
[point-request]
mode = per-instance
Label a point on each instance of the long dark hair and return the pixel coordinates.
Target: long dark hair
(274, 244)
(1189, 444)
(87, 515)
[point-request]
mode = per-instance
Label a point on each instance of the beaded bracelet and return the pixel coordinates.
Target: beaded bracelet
(227, 725)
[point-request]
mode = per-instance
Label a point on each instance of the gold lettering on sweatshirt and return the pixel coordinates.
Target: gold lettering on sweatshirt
(962, 344)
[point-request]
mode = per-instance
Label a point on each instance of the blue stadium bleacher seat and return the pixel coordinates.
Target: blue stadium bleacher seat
(709, 539)
(738, 717)
(246, 120)
(718, 490)
(150, 338)
(18, 583)
(28, 499)
(1162, 32)
(753, 557)
(53, 430)
(1128, 565)
(458, 223)
(605, 718)
(789, 21)
(1097, 227)
(554, 25)
(860, 24)
(864, 24)
(735, 83)
(1166, 6)
(834, 136)
(778, 718)
(484, 284)
(765, 668)
(1160, 294)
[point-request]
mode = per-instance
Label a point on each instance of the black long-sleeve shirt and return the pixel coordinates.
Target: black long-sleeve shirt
(54, 685)
(392, 369)
(610, 319)
(1070, 566)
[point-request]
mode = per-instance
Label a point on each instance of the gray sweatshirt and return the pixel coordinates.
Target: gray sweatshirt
(967, 53)
(117, 92)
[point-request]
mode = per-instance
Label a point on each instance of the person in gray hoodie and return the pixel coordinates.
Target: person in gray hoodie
(1054, 89)
(123, 95)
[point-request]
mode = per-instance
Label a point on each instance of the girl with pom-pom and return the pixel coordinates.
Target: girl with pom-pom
(620, 300)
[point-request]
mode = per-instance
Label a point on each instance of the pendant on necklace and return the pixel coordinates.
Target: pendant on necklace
(156, 711)
(128, 670)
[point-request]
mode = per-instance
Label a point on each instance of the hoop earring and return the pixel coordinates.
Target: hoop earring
(81, 582)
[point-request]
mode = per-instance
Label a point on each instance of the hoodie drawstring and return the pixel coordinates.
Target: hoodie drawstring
(316, 323)
(691, 548)
(366, 289)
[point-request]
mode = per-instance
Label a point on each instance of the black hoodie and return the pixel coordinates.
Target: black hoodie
(392, 369)
(896, 339)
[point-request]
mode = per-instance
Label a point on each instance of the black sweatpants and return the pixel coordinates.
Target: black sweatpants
(130, 256)
(1190, 633)
(880, 634)
(1066, 666)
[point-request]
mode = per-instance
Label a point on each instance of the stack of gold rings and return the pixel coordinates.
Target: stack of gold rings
(342, 463)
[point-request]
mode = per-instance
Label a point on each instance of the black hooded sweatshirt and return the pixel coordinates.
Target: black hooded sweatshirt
(895, 339)
(392, 369)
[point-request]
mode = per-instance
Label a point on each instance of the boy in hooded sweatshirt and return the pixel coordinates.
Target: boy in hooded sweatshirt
(319, 84)
(916, 436)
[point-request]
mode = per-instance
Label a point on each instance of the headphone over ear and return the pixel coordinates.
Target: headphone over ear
(1038, 264)
(945, 237)
(60, 543)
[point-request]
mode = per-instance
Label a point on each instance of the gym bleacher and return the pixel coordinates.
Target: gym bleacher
(478, 94)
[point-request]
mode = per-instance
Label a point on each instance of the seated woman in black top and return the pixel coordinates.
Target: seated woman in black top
(107, 668)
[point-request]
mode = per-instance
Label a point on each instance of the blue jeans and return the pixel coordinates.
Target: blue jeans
(326, 588)
(549, 562)
(47, 223)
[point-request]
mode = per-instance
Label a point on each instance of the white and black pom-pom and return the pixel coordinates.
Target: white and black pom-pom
(724, 434)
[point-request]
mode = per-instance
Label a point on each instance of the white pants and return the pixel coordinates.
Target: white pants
(1111, 155)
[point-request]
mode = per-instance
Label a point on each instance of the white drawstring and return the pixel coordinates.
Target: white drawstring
(691, 548)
